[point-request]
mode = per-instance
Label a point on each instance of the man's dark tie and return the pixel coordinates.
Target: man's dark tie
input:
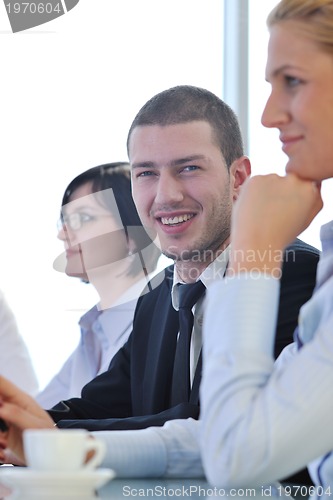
(188, 296)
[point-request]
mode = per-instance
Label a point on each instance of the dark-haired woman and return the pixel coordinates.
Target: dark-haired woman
(107, 246)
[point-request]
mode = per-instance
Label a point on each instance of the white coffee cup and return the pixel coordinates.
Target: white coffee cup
(62, 450)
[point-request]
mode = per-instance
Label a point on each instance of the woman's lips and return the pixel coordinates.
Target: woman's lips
(289, 141)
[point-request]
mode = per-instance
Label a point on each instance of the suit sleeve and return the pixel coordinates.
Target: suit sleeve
(106, 396)
(134, 393)
(297, 284)
(181, 411)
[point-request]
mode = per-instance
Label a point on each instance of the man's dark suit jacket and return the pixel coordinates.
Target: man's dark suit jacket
(135, 391)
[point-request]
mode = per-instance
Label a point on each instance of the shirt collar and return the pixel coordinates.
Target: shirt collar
(89, 317)
(214, 272)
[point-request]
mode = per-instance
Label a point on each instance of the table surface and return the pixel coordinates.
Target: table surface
(159, 488)
(194, 489)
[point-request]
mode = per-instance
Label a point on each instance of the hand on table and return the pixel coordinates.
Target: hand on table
(20, 411)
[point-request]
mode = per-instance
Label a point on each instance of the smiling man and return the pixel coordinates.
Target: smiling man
(184, 190)
(188, 167)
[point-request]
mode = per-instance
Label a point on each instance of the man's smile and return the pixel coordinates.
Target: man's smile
(178, 219)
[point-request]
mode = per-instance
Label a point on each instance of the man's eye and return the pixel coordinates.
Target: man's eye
(145, 173)
(190, 168)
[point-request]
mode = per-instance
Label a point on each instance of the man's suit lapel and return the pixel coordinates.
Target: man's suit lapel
(161, 347)
(161, 350)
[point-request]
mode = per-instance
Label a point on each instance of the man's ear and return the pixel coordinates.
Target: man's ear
(240, 171)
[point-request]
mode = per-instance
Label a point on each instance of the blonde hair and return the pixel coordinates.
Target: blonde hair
(314, 19)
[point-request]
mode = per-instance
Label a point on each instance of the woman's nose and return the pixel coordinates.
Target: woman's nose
(275, 112)
(61, 233)
(65, 234)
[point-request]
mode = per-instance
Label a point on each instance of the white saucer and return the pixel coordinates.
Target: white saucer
(81, 484)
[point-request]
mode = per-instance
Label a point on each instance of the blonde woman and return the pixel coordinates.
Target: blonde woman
(246, 399)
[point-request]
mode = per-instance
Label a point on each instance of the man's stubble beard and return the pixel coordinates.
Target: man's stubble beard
(201, 252)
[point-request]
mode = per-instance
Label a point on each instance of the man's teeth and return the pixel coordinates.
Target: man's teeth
(176, 220)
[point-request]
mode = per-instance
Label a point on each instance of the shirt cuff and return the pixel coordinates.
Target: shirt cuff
(138, 453)
(182, 447)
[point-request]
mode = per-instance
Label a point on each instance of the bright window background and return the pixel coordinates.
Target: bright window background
(69, 91)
